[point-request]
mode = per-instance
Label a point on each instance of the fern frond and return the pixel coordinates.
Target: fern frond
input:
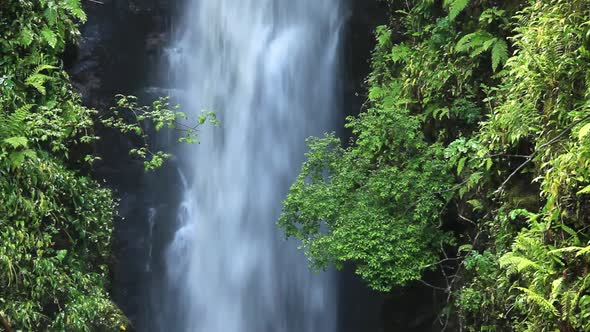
(14, 124)
(539, 300)
(37, 79)
(482, 41)
(17, 142)
(456, 7)
(12, 133)
(569, 302)
(583, 251)
(49, 37)
(565, 250)
(499, 53)
(73, 6)
(473, 40)
(42, 67)
(516, 263)
(557, 287)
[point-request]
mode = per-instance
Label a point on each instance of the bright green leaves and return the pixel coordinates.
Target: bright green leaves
(537, 133)
(13, 146)
(378, 202)
(455, 7)
(583, 132)
(160, 114)
(26, 37)
(37, 79)
(435, 76)
(17, 142)
(74, 7)
(499, 53)
(383, 217)
(482, 41)
(44, 204)
(55, 224)
(49, 37)
(383, 35)
(61, 254)
(16, 148)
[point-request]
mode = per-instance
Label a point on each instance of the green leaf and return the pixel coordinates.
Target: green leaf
(17, 158)
(499, 53)
(466, 247)
(461, 165)
(584, 131)
(49, 37)
(61, 254)
(586, 190)
(539, 300)
(583, 251)
(456, 7)
(26, 37)
(73, 6)
(17, 141)
(476, 205)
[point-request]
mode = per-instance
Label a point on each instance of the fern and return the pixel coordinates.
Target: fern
(482, 41)
(17, 141)
(539, 300)
(15, 123)
(456, 7)
(557, 287)
(583, 251)
(73, 6)
(515, 263)
(38, 79)
(580, 251)
(473, 40)
(49, 37)
(499, 53)
(26, 37)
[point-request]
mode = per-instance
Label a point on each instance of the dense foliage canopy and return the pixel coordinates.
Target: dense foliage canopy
(471, 158)
(55, 223)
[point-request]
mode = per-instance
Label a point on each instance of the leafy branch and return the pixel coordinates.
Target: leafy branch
(128, 117)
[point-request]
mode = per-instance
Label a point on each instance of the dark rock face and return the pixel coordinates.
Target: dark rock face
(120, 52)
(365, 16)
(121, 39)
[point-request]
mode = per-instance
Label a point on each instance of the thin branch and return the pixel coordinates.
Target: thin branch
(466, 219)
(538, 150)
(5, 324)
(500, 155)
(432, 286)
(444, 260)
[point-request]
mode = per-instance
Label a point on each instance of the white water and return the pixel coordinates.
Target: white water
(269, 69)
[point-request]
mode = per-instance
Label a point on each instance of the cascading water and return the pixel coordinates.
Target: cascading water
(268, 68)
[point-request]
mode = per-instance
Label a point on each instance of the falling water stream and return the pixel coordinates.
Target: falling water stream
(269, 69)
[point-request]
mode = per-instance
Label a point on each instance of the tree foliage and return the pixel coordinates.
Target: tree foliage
(55, 223)
(477, 122)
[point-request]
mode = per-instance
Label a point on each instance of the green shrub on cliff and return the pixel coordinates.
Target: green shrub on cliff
(55, 223)
(478, 122)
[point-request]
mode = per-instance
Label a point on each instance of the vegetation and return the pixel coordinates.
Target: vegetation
(56, 223)
(471, 158)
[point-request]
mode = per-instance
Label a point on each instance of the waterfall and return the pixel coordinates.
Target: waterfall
(269, 70)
